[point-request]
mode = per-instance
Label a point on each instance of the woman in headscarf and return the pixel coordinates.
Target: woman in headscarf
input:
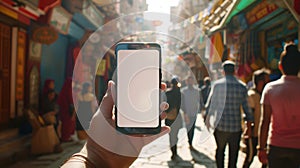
(48, 85)
(67, 110)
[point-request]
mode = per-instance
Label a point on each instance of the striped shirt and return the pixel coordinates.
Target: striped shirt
(228, 96)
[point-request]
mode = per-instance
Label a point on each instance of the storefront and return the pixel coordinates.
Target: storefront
(53, 32)
(276, 37)
(15, 18)
(261, 31)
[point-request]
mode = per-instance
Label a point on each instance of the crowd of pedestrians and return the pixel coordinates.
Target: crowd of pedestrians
(265, 103)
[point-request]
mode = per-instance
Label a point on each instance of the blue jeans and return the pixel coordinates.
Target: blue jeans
(283, 157)
(233, 140)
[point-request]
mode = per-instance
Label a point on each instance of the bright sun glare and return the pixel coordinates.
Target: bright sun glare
(162, 6)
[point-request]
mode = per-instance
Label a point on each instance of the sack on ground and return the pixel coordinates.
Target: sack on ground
(44, 140)
(49, 118)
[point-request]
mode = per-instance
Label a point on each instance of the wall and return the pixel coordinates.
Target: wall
(53, 62)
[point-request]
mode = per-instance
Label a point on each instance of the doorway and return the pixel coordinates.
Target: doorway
(5, 72)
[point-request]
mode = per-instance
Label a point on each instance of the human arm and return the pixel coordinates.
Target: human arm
(249, 115)
(208, 110)
(264, 130)
(106, 147)
(201, 102)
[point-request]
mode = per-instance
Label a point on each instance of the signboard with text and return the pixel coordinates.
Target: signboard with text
(260, 11)
(20, 76)
(44, 35)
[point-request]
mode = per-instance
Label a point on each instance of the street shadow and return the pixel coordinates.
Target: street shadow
(202, 159)
(180, 163)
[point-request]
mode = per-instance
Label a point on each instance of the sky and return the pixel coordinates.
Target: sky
(160, 10)
(162, 6)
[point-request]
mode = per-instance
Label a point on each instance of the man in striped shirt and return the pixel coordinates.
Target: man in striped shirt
(227, 97)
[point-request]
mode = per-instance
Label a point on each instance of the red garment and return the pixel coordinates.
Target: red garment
(65, 102)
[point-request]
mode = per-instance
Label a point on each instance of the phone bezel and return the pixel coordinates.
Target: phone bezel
(137, 46)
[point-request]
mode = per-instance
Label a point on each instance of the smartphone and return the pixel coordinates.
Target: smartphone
(138, 79)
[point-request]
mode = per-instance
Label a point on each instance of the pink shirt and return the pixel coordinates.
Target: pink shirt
(284, 97)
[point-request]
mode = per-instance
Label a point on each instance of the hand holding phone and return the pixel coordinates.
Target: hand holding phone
(138, 78)
(105, 146)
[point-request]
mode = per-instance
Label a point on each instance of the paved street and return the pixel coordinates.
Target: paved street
(202, 157)
(51, 160)
(155, 156)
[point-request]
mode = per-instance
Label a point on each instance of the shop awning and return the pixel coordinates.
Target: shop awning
(241, 5)
(21, 11)
(104, 2)
(45, 5)
(217, 17)
(25, 8)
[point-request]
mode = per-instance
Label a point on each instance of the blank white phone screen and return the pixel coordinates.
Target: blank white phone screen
(138, 88)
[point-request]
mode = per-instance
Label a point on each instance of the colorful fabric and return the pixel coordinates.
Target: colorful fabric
(65, 102)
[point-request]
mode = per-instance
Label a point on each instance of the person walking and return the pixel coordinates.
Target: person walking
(259, 78)
(205, 90)
(174, 119)
(190, 107)
(227, 96)
(280, 101)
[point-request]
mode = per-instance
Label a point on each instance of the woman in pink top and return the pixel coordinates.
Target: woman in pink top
(281, 103)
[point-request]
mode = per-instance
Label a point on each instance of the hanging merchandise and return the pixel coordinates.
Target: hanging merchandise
(217, 48)
(257, 61)
(244, 69)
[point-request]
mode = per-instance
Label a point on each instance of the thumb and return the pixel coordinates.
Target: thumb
(107, 102)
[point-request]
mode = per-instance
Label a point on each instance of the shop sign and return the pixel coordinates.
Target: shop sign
(60, 19)
(20, 76)
(92, 14)
(8, 12)
(282, 30)
(34, 87)
(35, 50)
(45, 35)
(260, 11)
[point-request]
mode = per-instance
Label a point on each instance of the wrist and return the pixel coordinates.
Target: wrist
(259, 148)
(100, 156)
